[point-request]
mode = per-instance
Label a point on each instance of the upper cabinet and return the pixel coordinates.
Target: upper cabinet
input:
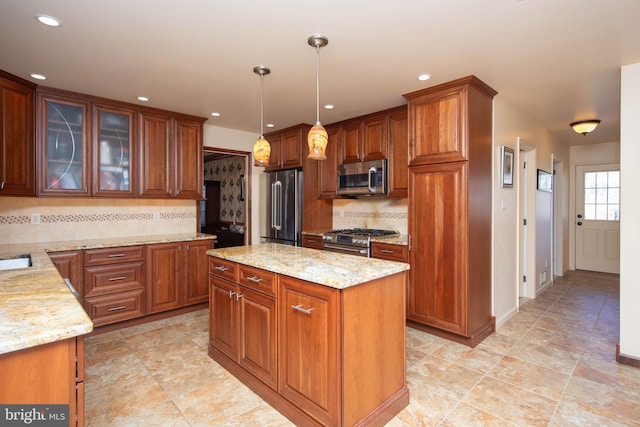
(397, 152)
(90, 146)
(17, 159)
(63, 145)
(114, 148)
(328, 169)
(365, 138)
(287, 147)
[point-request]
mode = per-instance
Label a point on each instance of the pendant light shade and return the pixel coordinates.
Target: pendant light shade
(585, 126)
(261, 148)
(317, 138)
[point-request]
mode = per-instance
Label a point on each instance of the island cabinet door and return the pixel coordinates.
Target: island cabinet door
(309, 342)
(223, 332)
(258, 335)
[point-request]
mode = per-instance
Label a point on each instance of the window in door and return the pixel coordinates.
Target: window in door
(602, 195)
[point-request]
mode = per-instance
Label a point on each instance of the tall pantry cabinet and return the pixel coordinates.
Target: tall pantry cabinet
(450, 146)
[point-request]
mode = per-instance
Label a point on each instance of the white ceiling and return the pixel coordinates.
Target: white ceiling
(556, 60)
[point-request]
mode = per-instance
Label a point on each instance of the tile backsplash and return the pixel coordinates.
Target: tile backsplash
(63, 219)
(371, 212)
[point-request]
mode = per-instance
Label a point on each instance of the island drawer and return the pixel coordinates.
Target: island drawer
(108, 279)
(113, 255)
(115, 307)
(390, 252)
(224, 269)
(258, 279)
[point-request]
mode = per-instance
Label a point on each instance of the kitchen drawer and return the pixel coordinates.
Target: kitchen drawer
(108, 279)
(115, 307)
(310, 241)
(223, 269)
(390, 252)
(113, 255)
(257, 279)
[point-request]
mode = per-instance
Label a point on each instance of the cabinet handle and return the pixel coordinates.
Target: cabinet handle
(122, 307)
(312, 241)
(231, 294)
(2, 186)
(112, 279)
(238, 296)
(115, 255)
(302, 310)
(255, 279)
(386, 251)
(221, 268)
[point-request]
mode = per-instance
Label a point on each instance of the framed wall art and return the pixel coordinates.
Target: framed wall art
(545, 181)
(506, 167)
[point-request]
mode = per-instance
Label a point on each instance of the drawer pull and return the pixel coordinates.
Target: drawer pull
(113, 279)
(255, 279)
(302, 310)
(115, 255)
(221, 268)
(122, 307)
(238, 296)
(386, 251)
(231, 294)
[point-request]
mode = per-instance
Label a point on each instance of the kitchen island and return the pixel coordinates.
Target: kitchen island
(318, 335)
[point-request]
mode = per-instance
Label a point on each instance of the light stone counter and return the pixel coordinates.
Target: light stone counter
(37, 307)
(325, 268)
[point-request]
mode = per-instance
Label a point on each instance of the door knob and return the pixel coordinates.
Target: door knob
(579, 215)
(579, 222)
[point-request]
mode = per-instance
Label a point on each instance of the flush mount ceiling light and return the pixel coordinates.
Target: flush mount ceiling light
(143, 99)
(50, 21)
(423, 77)
(261, 148)
(317, 138)
(38, 76)
(585, 126)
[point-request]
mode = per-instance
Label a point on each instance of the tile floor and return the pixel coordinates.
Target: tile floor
(553, 364)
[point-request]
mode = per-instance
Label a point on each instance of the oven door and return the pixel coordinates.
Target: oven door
(346, 249)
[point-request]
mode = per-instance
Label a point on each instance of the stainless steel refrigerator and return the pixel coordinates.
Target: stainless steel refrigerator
(281, 207)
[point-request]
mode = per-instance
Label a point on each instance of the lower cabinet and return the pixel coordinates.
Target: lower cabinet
(176, 274)
(44, 375)
(315, 353)
(70, 265)
(390, 252)
(311, 241)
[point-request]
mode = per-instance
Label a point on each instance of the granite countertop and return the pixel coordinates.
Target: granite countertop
(313, 265)
(37, 307)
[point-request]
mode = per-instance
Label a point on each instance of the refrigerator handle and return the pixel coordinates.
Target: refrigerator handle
(276, 213)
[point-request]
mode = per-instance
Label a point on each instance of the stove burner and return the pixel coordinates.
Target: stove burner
(371, 232)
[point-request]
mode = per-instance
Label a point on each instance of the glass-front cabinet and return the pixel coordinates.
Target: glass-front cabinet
(113, 151)
(63, 146)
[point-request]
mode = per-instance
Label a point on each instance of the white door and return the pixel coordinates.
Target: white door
(597, 221)
(522, 182)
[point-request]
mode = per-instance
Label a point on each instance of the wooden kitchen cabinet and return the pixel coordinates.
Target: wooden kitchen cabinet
(176, 274)
(328, 169)
(390, 252)
(156, 154)
(17, 130)
(243, 318)
(70, 265)
(364, 139)
(397, 152)
(450, 128)
(115, 145)
(311, 241)
(287, 147)
(64, 125)
(188, 163)
(114, 284)
(48, 374)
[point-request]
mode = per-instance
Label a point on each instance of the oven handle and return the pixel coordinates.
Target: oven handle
(337, 248)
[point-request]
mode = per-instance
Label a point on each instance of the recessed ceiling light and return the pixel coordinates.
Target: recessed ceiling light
(48, 20)
(423, 77)
(270, 125)
(329, 107)
(215, 114)
(38, 76)
(143, 98)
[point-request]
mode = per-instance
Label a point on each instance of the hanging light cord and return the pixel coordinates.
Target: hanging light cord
(261, 107)
(317, 84)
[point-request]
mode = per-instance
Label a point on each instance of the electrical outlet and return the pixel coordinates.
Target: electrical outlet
(156, 216)
(35, 218)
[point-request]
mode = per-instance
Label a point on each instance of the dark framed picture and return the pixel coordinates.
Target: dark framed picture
(506, 167)
(545, 183)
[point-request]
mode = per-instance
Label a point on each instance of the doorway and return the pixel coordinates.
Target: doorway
(225, 210)
(597, 222)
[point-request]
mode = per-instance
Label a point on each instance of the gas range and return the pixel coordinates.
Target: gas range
(356, 241)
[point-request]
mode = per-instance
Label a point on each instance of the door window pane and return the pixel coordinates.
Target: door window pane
(602, 195)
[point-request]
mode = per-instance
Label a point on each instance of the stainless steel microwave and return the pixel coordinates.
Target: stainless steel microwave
(363, 178)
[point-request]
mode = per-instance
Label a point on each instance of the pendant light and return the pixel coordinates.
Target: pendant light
(261, 148)
(317, 138)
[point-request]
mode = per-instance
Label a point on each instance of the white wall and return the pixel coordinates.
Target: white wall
(629, 225)
(231, 139)
(509, 125)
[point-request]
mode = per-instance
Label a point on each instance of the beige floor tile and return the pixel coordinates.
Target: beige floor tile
(163, 415)
(547, 382)
(571, 415)
(468, 416)
(545, 356)
(126, 368)
(514, 404)
(498, 343)
(480, 359)
(428, 406)
(158, 337)
(436, 373)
